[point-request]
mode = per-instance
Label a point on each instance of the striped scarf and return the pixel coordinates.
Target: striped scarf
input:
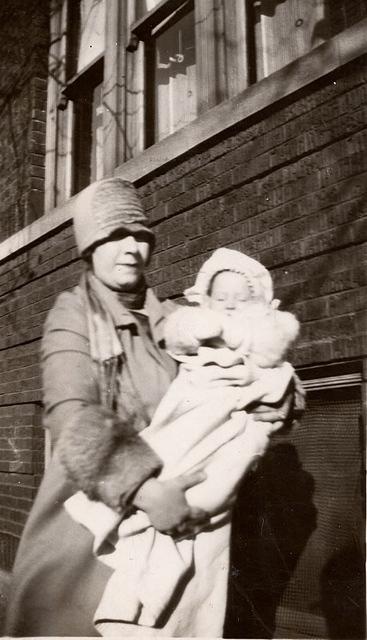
(105, 345)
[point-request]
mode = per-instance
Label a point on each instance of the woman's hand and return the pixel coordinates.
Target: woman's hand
(275, 413)
(165, 504)
(291, 406)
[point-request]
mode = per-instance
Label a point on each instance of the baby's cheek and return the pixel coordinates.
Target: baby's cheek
(215, 305)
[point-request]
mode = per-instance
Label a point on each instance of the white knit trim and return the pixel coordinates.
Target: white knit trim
(257, 276)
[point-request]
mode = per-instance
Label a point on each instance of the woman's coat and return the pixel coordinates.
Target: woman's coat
(57, 581)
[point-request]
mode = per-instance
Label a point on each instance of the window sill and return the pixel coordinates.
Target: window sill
(343, 48)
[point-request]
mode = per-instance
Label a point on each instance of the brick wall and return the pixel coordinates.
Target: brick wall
(29, 284)
(289, 188)
(21, 463)
(23, 95)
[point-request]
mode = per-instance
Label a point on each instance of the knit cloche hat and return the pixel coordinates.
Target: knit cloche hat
(104, 207)
(258, 278)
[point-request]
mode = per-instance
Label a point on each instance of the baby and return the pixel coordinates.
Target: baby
(232, 347)
(235, 309)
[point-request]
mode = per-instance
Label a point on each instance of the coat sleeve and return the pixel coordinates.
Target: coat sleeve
(101, 452)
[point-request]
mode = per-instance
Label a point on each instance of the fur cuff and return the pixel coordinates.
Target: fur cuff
(104, 456)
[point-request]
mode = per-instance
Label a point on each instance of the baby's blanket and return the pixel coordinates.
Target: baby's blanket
(180, 585)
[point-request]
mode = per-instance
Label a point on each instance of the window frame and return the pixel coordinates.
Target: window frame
(141, 29)
(332, 376)
(150, 60)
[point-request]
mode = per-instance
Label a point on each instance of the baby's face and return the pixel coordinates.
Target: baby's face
(229, 293)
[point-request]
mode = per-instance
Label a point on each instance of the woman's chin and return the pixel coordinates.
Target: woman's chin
(127, 284)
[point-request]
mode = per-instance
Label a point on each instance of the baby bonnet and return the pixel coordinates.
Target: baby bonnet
(257, 276)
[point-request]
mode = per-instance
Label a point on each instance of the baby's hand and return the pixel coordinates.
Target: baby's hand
(208, 325)
(236, 333)
(187, 328)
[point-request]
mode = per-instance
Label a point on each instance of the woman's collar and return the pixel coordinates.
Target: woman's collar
(122, 316)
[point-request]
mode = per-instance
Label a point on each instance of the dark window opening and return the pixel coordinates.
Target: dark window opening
(85, 91)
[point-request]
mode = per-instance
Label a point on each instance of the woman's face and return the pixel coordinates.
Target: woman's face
(229, 292)
(120, 263)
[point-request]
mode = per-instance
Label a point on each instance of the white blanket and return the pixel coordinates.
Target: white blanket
(179, 587)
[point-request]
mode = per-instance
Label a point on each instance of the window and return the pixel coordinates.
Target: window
(183, 58)
(74, 142)
(327, 585)
(171, 75)
(283, 30)
(84, 79)
(85, 92)
(298, 564)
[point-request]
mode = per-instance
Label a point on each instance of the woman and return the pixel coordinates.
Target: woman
(104, 371)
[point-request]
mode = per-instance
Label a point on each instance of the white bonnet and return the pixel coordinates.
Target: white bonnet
(258, 278)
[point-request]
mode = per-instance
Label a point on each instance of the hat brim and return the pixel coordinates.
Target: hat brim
(131, 229)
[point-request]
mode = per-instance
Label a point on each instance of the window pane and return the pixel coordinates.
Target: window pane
(285, 30)
(91, 37)
(88, 140)
(143, 6)
(175, 77)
